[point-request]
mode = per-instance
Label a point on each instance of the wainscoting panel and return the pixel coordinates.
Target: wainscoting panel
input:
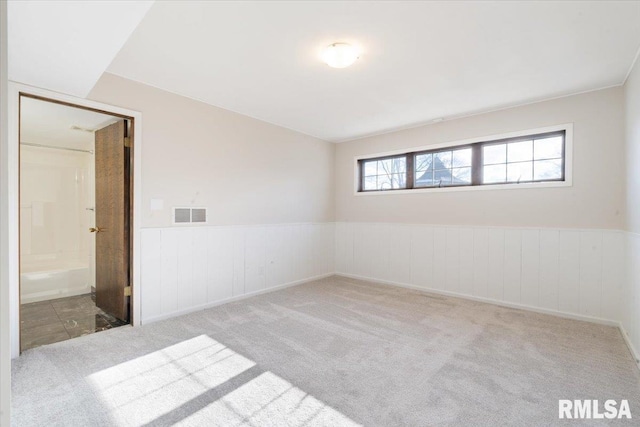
(548, 269)
(189, 268)
(613, 274)
(569, 267)
(631, 294)
(572, 272)
(530, 278)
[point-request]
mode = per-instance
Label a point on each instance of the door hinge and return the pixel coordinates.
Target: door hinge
(127, 291)
(127, 141)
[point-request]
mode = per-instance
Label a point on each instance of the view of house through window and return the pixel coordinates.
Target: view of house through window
(450, 167)
(532, 158)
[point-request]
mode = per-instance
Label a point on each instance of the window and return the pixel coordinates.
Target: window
(385, 173)
(536, 159)
(440, 168)
(525, 159)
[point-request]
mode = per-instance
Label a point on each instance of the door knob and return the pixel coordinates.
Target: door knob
(95, 230)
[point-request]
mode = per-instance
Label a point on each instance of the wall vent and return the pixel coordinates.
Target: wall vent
(189, 215)
(199, 215)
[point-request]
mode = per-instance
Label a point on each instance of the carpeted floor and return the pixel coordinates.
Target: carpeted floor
(331, 352)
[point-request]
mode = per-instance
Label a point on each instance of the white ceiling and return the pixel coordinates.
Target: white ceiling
(47, 123)
(66, 45)
(421, 60)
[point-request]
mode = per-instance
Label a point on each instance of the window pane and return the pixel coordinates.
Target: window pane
(398, 181)
(389, 166)
(424, 179)
(388, 182)
(385, 174)
(520, 151)
(442, 177)
(547, 169)
(461, 176)
(370, 168)
(423, 162)
(370, 183)
(517, 172)
(442, 160)
(493, 154)
(384, 182)
(462, 158)
(494, 173)
(548, 148)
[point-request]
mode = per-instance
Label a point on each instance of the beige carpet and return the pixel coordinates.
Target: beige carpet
(331, 352)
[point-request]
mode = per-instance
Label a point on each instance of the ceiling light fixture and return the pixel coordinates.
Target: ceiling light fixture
(340, 55)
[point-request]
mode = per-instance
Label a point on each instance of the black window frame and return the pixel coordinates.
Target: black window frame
(476, 163)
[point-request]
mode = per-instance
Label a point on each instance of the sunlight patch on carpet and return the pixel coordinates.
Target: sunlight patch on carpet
(181, 384)
(140, 390)
(268, 400)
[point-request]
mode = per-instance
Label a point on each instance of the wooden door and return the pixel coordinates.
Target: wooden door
(112, 220)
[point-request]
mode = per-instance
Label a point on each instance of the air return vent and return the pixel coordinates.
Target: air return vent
(198, 215)
(189, 215)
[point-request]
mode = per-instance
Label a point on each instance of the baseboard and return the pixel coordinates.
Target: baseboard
(634, 354)
(232, 299)
(632, 349)
(489, 301)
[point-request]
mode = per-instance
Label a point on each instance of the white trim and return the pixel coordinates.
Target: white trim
(562, 314)
(13, 170)
(553, 184)
(633, 64)
(414, 125)
(5, 305)
(568, 162)
(473, 114)
(627, 340)
(480, 227)
(236, 298)
(277, 224)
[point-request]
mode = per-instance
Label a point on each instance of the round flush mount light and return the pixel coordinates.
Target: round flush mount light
(340, 55)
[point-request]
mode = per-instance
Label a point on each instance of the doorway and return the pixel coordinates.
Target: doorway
(75, 220)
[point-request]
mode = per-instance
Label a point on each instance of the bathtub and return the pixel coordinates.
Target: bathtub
(49, 279)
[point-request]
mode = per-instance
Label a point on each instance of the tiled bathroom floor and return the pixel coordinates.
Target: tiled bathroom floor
(60, 319)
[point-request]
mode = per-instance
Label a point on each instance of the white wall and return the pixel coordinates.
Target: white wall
(596, 199)
(557, 250)
(245, 170)
(269, 191)
(631, 305)
(563, 271)
(5, 355)
(632, 157)
(190, 268)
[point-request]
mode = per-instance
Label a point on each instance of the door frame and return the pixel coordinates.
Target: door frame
(13, 169)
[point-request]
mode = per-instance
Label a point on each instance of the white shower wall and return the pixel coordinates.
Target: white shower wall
(56, 190)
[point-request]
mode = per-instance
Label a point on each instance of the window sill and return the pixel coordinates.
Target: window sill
(527, 185)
